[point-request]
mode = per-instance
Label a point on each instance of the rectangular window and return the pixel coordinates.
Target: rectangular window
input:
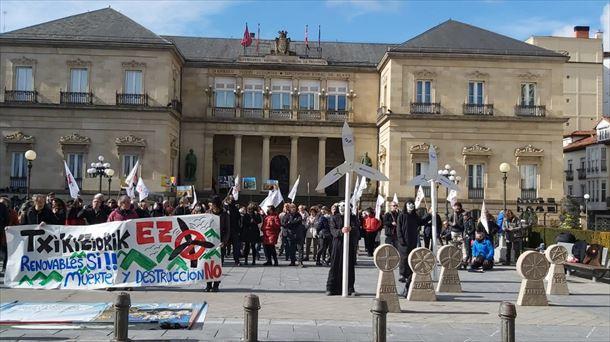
(281, 94)
(79, 81)
(582, 163)
(528, 94)
(421, 168)
(75, 164)
(133, 82)
(309, 95)
(224, 91)
(475, 176)
(129, 161)
(475, 93)
(529, 177)
(337, 95)
(570, 190)
(23, 79)
(603, 191)
(583, 190)
(569, 164)
(424, 89)
(19, 165)
(253, 93)
(603, 160)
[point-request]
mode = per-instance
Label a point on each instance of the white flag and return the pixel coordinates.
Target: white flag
(484, 218)
(142, 189)
(378, 204)
(452, 197)
(420, 196)
(132, 180)
(358, 190)
(236, 188)
(277, 198)
(194, 197)
(395, 199)
(71, 182)
(274, 198)
(353, 199)
(293, 192)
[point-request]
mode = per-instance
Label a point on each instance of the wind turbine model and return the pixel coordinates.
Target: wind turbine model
(346, 168)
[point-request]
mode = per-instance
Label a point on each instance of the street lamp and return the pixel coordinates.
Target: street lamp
(109, 174)
(30, 155)
(587, 196)
(98, 169)
(450, 174)
(504, 168)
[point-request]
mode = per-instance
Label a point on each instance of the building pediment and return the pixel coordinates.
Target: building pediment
(529, 151)
(134, 64)
(528, 76)
(23, 61)
(18, 138)
(424, 73)
(476, 150)
(78, 63)
(74, 139)
(421, 148)
(478, 75)
(130, 140)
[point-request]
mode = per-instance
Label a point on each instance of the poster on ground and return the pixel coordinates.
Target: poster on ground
(160, 251)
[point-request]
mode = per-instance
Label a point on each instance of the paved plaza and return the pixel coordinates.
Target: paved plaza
(295, 308)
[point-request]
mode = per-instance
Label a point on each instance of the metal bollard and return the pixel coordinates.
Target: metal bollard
(121, 317)
(507, 314)
(251, 307)
(379, 311)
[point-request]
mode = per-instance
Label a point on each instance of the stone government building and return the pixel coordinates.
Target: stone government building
(98, 83)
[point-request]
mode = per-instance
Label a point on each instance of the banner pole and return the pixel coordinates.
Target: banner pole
(346, 223)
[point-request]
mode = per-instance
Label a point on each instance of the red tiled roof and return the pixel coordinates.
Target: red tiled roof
(580, 133)
(580, 144)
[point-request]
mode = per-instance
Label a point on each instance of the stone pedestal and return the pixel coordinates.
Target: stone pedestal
(450, 258)
(532, 267)
(422, 262)
(556, 278)
(500, 251)
(386, 259)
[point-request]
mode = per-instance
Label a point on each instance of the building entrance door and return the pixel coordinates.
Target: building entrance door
(280, 171)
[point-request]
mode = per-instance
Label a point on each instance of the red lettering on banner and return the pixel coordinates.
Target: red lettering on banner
(143, 232)
(165, 228)
(212, 271)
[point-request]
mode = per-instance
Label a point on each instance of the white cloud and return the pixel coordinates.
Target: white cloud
(605, 21)
(565, 31)
(161, 17)
(540, 26)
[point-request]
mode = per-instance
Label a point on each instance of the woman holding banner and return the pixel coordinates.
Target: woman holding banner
(216, 208)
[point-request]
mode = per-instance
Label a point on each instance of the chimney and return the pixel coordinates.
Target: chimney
(581, 32)
(599, 35)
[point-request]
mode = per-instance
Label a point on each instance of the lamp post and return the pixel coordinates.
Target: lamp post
(109, 174)
(452, 176)
(502, 251)
(30, 155)
(504, 168)
(99, 169)
(587, 196)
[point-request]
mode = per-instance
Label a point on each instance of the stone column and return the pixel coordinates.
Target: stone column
(265, 159)
(294, 143)
(237, 156)
(208, 161)
(321, 158)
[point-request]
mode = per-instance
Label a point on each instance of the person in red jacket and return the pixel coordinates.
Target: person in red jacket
(271, 231)
(123, 212)
(371, 226)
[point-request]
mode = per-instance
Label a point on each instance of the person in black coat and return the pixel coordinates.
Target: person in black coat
(250, 231)
(390, 222)
(215, 206)
(183, 207)
(324, 238)
(39, 212)
(427, 222)
(142, 209)
(94, 213)
(407, 237)
(235, 218)
(292, 222)
(335, 273)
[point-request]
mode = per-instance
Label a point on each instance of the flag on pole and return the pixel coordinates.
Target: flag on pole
(452, 197)
(194, 197)
(258, 36)
(236, 188)
(142, 189)
(353, 200)
(273, 199)
(484, 218)
(307, 37)
(247, 39)
(420, 196)
(293, 192)
(359, 188)
(395, 199)
(319, 47)
(132, 180)
(71, 182)
(378, 204)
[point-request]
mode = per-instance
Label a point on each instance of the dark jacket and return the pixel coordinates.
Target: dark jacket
(408, 229)
(225, 226)
(456, 221)
(323, 227)
(92, 216)
(180, 210)
(336, 225)
(389, 218)
(142, 213)
(249, 227)
(233, 212)
(34, 216)
(469, 228)
(293, 224)
(427, 222)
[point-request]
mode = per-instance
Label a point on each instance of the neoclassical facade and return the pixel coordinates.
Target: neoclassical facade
(202, 110)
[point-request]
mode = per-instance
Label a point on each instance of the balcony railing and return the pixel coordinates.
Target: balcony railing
(581, 173)
(20, 96)
(526, 110)
(69, 97)
(224, 112)
(131, 99)
(569, 175)
(309, 114)
(336, 115)
(529, 194)
(252, 113)
(176, 105)
(19, 183)
(282, 114)
(425, 108)
(478, 109)
(476, 193)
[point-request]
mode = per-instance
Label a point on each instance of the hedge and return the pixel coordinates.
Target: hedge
(547, 235)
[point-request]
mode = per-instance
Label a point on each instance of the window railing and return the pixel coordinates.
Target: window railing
(19, 182)
(425, 108)
(69, 97)
(478, 109)
(309, 114)
(581, 173)
(529, 194)
(131, 99)
(252, 113)
(476, 193)
(282, 114)
(569, 175)
(176, 105)
(224, 112)
(336, 115)
(20, 96)
(527, 110)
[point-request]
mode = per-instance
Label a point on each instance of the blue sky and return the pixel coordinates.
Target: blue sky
(363, 21)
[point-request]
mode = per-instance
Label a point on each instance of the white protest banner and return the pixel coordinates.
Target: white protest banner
(484, 221)
(452, 197)
(160, 251)
(71, 182)
(420, 196)
(380, 201)
(142, 189)
(293, 192)
(132, 180)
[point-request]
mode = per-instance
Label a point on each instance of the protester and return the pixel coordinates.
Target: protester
(271, 231)
(482, 253)
(123, 212)
(216, 208)
(94, 213)
(142, 209)
(407, 237)
(324, 236)
(50, 198)
(292, 224)
(335, 273)
(513, 232)
(371, 226)
(232, 210)
(302, 232)
(456, 223)
(427, 223)
(183, 207)
(250, 231)
(72, 218)
(38, 213)
(469, 232)
(390, 221)
(58, 207)
(167, 208)
(112, 205)
(4, 222)
(492, 227)
(283, 233)
(311, 237)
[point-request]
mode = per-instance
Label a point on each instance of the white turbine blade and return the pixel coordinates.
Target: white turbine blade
(419, 180)
(347, 140)
(447, 183)
(332, 176)
(369, 172)
(432, 162)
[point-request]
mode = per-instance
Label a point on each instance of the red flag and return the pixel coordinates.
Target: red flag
(306, 37)
(247, 40)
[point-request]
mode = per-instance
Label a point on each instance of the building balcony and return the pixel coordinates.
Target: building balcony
(19, 183)
(581, 173)
(336, 115)
(282, 114)
(252, 113)
(132, 99)
(176, 105)
(529, 194)
(526, 110)
(70, 97)
(476, 193)
(223, 112)
(20, 96)
(593, 169)
(569, 175)
(309, 114)
(425, 108)
(478, 109)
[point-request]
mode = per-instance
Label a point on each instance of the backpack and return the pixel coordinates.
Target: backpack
(579, 249)
(592, 255)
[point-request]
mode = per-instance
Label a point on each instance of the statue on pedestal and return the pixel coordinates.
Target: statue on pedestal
(190, 166)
